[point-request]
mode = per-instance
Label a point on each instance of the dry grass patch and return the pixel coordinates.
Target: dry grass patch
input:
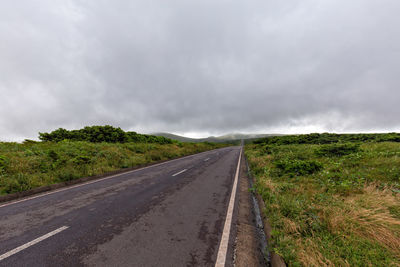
(268, 183)
(290, 226)
(309, 255)
(373, 218)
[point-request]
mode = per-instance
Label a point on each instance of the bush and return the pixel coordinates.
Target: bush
(268, 150)
(3, 163)
(298, 167)
(81, 160)
(17, 184)
(328, 138)
(155, 157)
(337, 150)
(53, 155)
(67, 176)
(98, 134)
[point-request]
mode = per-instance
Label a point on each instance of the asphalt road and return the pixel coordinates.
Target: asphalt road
(171, 214)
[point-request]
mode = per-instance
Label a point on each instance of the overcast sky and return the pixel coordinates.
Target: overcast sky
(199, 67)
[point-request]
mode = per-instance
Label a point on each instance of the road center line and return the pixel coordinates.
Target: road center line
(31, 243)
(182, 171)
(223, 246)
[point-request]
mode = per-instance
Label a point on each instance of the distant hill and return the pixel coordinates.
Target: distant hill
(177, 137)
(215, 139)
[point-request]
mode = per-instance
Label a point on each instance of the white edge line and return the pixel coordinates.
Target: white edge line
(99, 180)
(223, 246)
(31, 243)
(182, 171)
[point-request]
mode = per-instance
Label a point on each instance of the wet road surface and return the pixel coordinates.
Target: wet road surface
(170, 214)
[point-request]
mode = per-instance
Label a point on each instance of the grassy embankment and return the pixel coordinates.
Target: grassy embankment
(332, 200)
(28, 165)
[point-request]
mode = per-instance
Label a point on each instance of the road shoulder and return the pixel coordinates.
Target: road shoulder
(247, 247)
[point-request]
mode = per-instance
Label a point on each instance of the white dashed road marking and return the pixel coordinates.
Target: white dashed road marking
(182, 171)
(33, 242)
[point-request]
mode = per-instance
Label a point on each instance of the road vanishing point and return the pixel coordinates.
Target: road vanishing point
(176, 213)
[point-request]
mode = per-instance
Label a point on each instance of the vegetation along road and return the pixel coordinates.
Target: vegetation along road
(330, 200)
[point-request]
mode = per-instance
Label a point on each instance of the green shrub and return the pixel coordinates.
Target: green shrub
(98, 134)
(337, 150)
(268, 150)
(17, 184)
(29, 153)
(168, 154)
(3, 163)
(125, 164)
(155, 157)
(328, 138)
(45, 166)
(140, 149)
(81, 160)
(67, 175)
(298, 167)
(53, 155)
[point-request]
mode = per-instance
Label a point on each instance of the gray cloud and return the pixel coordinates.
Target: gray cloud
(199, 66)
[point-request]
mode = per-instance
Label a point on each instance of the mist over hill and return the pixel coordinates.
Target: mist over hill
(233, 137)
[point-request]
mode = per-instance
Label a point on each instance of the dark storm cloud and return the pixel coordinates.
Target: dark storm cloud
(199, 66)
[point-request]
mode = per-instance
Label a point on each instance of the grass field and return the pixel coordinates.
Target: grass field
(34, 164)
(335, 204)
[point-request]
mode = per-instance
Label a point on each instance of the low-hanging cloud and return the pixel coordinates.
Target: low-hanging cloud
(199, 66)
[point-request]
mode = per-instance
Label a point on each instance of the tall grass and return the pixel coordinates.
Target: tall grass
(331, 205)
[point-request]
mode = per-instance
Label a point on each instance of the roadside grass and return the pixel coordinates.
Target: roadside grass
(34, 164)
(331, 205)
